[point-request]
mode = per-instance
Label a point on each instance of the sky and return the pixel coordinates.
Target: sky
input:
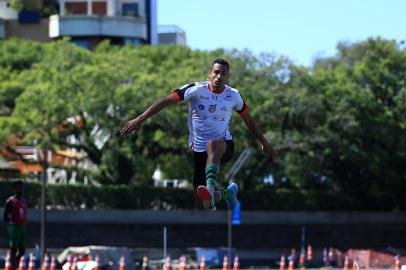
(298, 29)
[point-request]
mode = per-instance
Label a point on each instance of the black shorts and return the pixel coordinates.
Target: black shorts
(199, 163)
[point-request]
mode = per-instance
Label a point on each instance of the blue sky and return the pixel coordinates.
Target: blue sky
(298, 29)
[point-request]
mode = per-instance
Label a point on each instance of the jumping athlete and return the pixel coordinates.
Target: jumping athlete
(210, 108)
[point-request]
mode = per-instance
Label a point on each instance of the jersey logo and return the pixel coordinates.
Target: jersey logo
(212, 108)
(224, 109)
(201, 107)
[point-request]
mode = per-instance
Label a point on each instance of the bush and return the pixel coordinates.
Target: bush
(125, 197)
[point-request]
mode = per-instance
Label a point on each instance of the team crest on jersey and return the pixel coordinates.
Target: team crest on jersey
(212, 108)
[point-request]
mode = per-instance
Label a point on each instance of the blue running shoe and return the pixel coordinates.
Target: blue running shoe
(232, 201)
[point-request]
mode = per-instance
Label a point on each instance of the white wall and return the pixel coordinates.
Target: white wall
(6, 12)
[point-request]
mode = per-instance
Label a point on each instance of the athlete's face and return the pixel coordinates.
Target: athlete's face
(18, 189)
(218, 76)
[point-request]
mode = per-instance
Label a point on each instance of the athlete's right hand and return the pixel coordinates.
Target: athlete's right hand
(131, 126)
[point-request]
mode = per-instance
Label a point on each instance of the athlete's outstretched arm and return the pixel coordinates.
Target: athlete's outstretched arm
(253, 127)
(133, 125)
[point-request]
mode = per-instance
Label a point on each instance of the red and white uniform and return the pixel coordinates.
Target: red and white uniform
(19, 210)
(209, 112)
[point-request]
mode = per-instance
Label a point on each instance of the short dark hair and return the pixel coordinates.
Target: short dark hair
(18, 183)
(221, 61)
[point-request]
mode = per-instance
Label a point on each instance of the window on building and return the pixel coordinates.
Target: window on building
(75, 8)
(130, 9)
(133, 41)
(99, 8)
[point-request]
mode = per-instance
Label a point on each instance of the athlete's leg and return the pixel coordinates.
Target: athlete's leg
(215, 151)
(199, 167)
(22, 242)
(231, 190)
(13, 251)
(12, 243)
(21, 252)
(199, 174)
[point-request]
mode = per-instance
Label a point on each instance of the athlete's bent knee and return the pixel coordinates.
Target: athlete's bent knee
(216, 149)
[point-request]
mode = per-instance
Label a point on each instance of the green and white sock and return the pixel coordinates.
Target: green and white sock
(211, 175)
(226, 194)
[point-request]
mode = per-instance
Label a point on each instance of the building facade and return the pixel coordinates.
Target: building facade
(85, 22)
(171, 35)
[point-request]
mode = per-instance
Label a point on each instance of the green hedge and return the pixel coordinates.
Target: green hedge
(91, 197)
(124, 197)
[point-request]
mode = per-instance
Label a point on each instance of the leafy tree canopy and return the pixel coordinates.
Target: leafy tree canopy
(339, 124)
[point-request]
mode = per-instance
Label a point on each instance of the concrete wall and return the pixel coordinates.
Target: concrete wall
(259, 230)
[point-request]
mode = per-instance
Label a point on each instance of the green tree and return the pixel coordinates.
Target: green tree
(339, 125)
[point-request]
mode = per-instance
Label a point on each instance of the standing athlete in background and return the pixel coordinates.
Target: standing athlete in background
(210, 108)
(15, 214)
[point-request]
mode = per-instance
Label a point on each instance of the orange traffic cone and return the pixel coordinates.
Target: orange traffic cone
(355, 265)
(225, 263)
(122, 263)
(291, 263)
(31, 263)
(52, 266)
(45, 263)
(302, 258)
(236, 265)
(346, 263)
(21, 264)
(309, 255)
(202, 263)
(397, 262)
(282, 263)
(168, 263)
(97, 261)
(182, 263)
(7, 262)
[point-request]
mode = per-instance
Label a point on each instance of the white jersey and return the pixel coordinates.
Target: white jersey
(209, 112)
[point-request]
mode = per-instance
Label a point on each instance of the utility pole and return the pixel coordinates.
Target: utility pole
(45, 163)
(230, 175)
(230, 235)
(43, 201)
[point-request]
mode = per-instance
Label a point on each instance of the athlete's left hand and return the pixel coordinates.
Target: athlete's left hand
(269, 150)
